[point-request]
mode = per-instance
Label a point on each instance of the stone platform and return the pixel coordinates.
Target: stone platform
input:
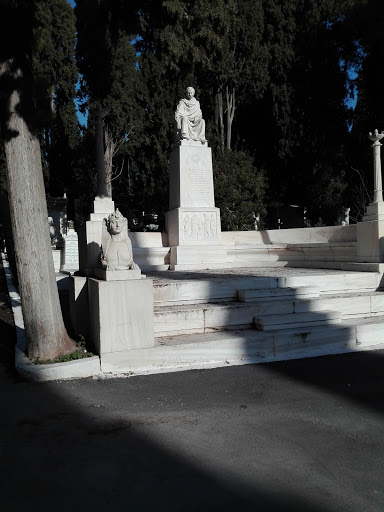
(225, 317)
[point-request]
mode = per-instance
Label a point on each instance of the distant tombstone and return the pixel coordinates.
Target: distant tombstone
(70, 252)
(57, 219)
(320, 223)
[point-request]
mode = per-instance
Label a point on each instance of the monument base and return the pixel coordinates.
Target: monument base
(193, 226)
(370, 241)
(121, 314)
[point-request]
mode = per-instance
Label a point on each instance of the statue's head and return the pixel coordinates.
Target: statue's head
(116, 222)
(190, 91)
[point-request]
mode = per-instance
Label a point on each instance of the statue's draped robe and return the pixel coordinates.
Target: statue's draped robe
(189, 119)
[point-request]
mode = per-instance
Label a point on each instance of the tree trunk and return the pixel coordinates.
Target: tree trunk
(230, 94)
(45, 332)
(108, 159)
(219, 118)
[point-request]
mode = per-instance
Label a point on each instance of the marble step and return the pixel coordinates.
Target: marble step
(301, 292)
(297, 320)
(210, 350)
(192, 288)
(200, 318)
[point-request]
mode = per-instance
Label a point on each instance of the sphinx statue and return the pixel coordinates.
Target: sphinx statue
(190, 124)
(116, 248)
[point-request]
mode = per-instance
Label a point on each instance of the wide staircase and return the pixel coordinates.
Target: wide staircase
(237, 316)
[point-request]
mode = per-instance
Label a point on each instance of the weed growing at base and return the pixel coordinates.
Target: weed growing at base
(80, 353)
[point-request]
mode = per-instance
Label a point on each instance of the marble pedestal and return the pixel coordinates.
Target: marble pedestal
(193, 221)
(121, 314)
(370, 235)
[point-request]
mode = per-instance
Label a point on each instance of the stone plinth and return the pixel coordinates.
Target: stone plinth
(191, 226)
(121, 314)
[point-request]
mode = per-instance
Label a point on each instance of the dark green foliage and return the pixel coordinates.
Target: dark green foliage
(366, 21)
(55, 74)
(239, 190)
(281, 64)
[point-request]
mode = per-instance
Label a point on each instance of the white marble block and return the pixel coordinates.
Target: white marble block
(121, 314)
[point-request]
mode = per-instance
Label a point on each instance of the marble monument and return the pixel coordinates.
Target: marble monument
(192, 220)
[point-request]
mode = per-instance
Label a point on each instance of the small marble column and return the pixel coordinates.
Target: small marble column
(375, 137)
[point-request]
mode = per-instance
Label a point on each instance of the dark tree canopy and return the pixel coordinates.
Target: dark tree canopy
(272, 77)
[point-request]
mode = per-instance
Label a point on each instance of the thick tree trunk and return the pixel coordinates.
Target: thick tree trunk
(46, 335)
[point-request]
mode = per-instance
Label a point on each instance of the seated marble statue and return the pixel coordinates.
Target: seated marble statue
(190, 124)
(116, 250)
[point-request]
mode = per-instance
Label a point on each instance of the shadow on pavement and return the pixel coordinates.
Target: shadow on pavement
(56, 456)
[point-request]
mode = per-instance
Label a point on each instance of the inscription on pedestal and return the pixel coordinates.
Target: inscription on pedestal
(198, 180)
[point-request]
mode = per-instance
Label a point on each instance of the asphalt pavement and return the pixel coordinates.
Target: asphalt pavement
(297, 436)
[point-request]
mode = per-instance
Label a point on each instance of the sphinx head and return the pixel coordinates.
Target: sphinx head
(116, 222)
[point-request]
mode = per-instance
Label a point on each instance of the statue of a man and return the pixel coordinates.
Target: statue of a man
(116, 253)
(189, 118)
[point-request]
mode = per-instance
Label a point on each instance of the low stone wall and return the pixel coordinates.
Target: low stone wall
(279, 247)
(327, 234)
